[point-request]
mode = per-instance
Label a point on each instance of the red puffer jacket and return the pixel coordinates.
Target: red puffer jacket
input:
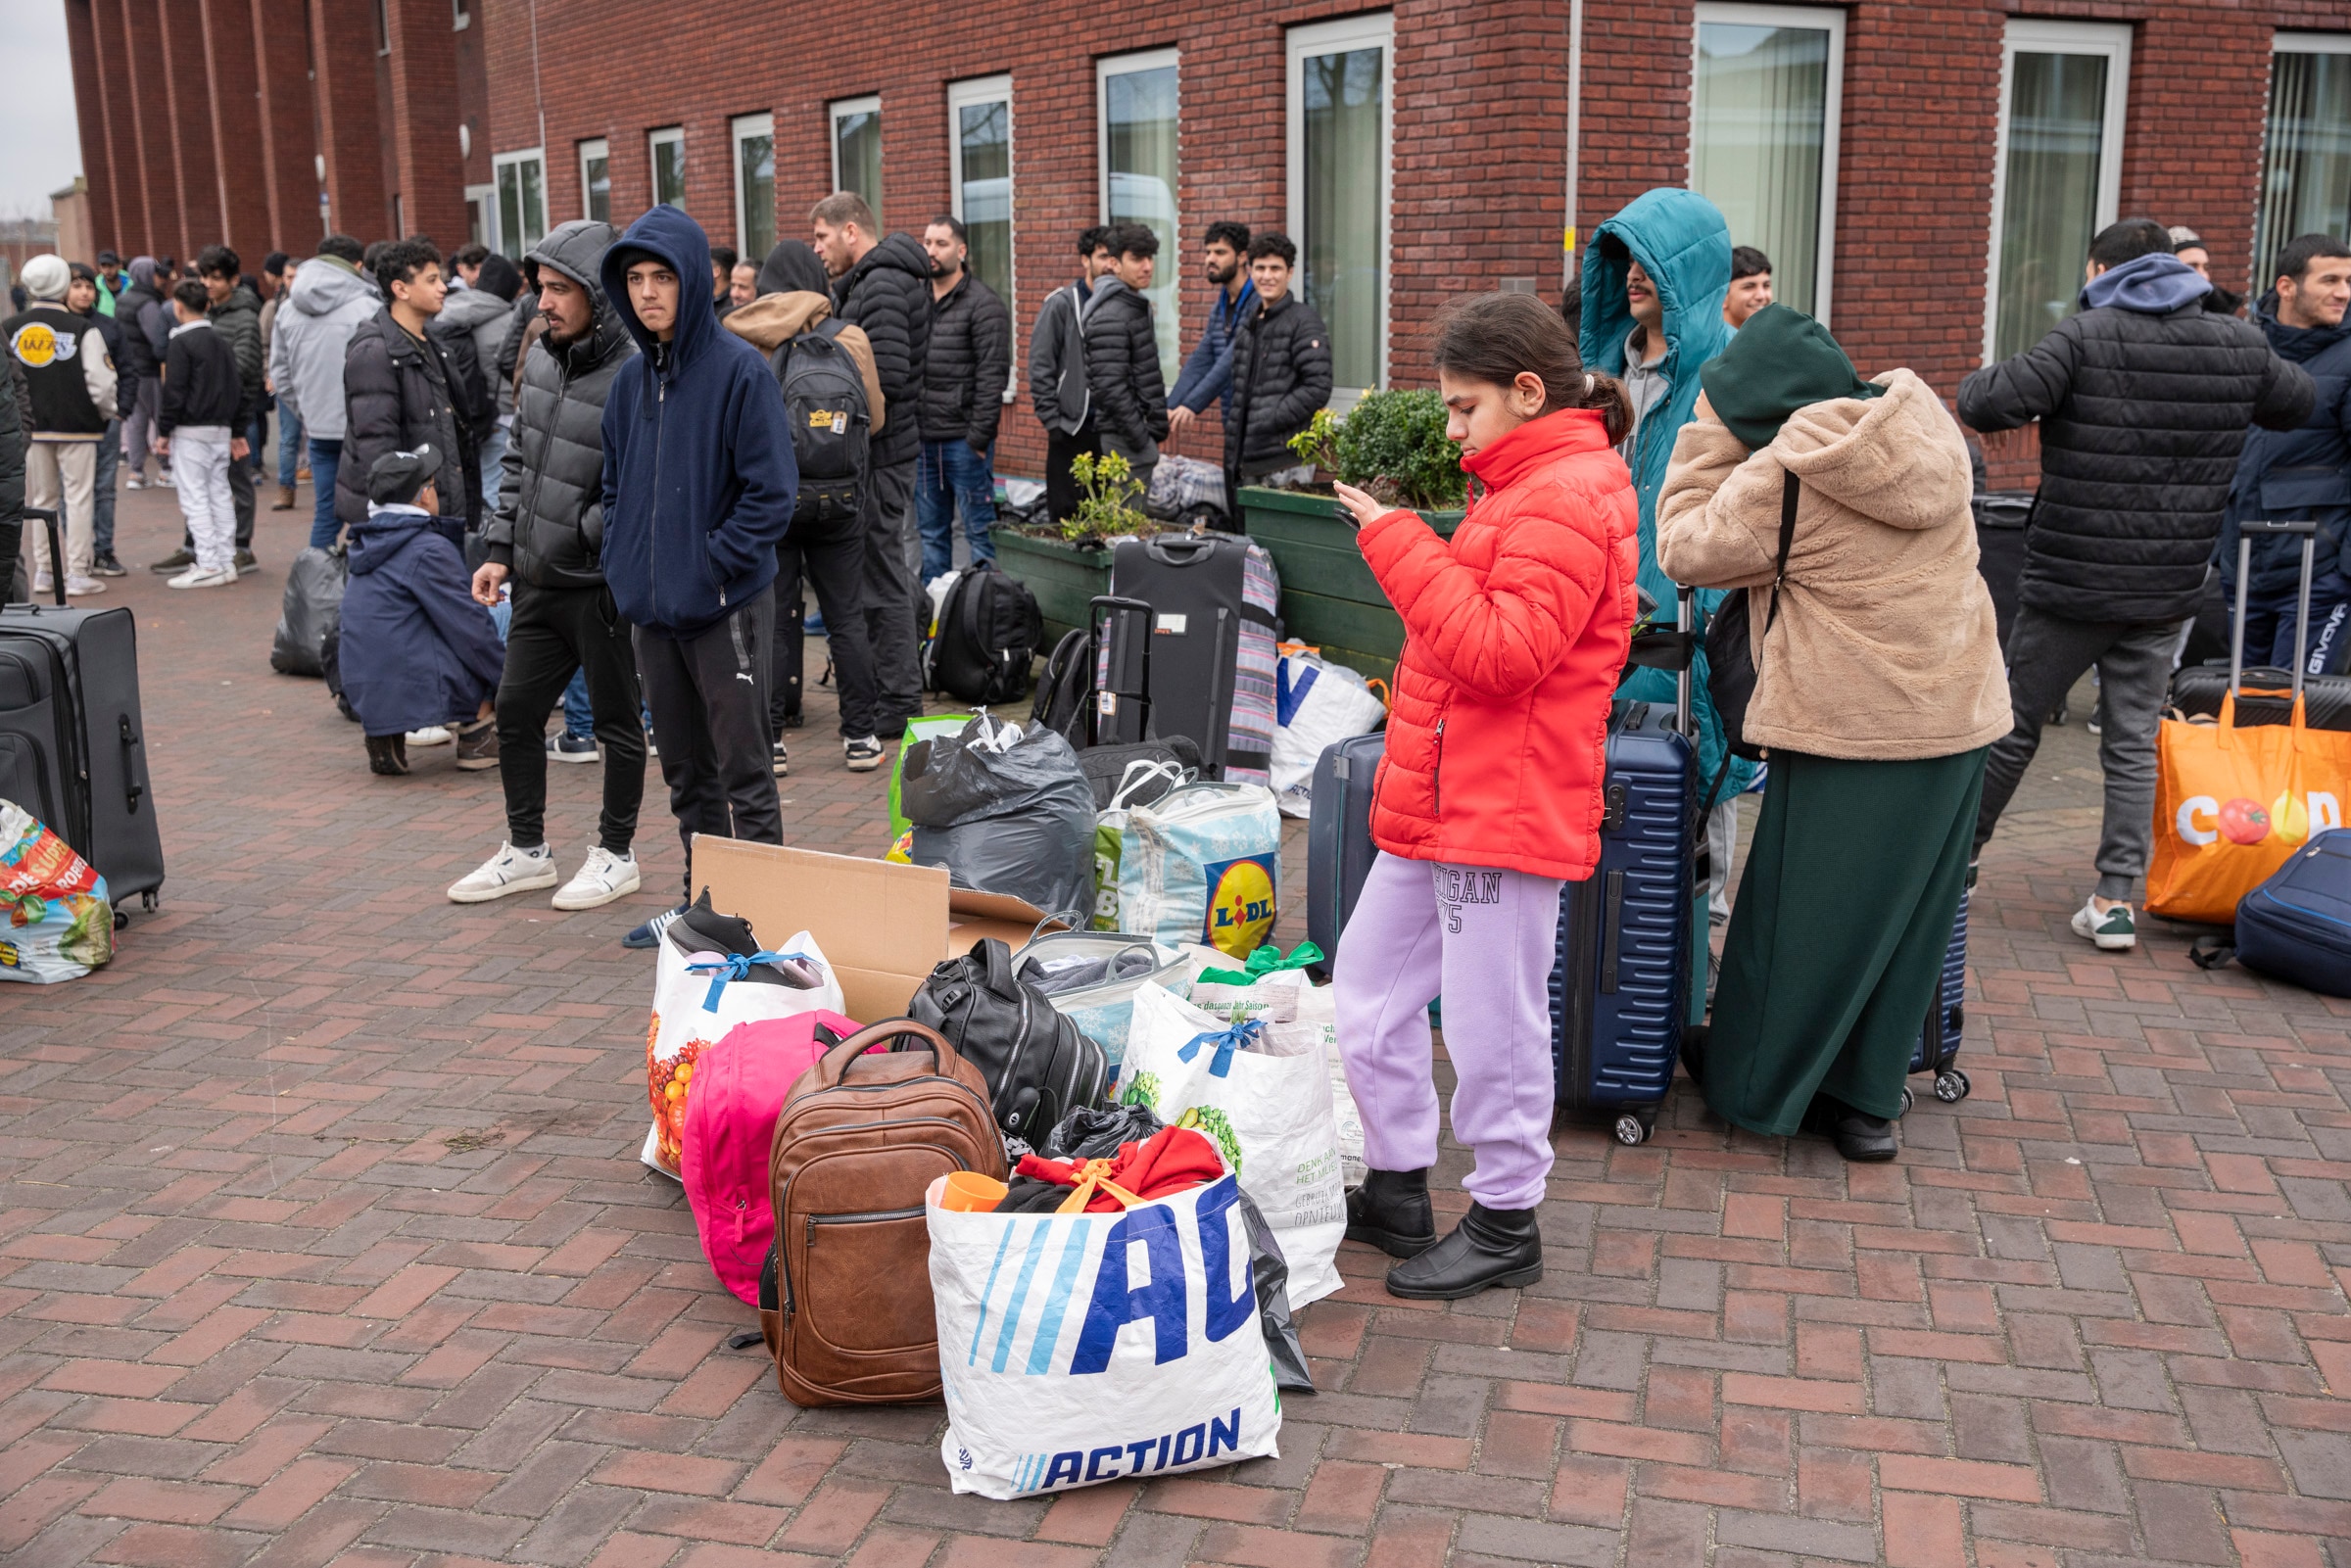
(1515, 633)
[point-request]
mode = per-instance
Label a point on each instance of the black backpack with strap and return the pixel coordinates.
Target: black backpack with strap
(1038, 1066)
(831, 423)
(990, 630)
(1064, 694)
(1731, 651)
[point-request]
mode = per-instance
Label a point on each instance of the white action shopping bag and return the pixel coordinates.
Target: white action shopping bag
(1075, 1349)
(1260, 1090)
(698, 995)
(1202, 863)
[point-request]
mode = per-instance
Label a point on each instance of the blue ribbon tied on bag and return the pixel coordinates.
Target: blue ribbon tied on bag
(736, 966)
(1240, 1037)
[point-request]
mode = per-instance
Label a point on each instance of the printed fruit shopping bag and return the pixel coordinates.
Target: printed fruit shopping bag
(700, 995)
(2231, 803)
(56, 923)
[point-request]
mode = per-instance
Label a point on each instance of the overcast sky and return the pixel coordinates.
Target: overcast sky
(41, 143)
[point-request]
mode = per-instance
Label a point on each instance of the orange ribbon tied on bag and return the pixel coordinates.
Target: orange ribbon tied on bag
(1094, 1176)
(2232, 804)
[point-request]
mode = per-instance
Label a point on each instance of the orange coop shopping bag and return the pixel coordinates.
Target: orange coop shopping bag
(2231, 803)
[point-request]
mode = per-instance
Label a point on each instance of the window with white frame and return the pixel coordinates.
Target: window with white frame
(1135, 98)
(857, 148)
(1766, 90)
(2306, 158)
(461, 14)
(754, 138)
(980, 145)
(667, 149)
(2057, 177)
(521, 181)
(595, 181)
(1338, 135)
(481, 214)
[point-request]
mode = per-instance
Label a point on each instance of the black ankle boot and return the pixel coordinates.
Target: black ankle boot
(1390, 1211)
(1861, 1136)
(1489, 1247)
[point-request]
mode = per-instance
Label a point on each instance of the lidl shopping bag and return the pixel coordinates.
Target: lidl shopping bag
(1260, 1090)
(1076, 1348)
(55, 922)
(1202, 863)
(2231, 803)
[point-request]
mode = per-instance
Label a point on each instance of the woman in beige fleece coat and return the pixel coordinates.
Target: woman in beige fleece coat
(1879, 685)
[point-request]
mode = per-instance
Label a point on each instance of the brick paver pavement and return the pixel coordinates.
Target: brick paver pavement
(324, 1241)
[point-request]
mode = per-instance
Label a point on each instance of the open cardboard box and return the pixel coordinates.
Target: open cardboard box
(884, 927)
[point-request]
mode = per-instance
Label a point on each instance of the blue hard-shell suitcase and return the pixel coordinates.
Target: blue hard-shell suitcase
(1619, 991)
(1338, 837)
(2296, 927)
(1937, 1047)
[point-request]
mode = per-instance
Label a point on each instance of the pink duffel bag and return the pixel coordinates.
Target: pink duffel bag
(739, 1087)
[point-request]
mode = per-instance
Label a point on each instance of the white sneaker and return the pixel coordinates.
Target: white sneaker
(43, 582)
(432, 734)
(2114, 931)
(83, 587)
(603, 877)
(165, 481)
(509, 870)
(136, 483)
(202, 577)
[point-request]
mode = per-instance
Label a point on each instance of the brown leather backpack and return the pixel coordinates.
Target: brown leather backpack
(845, 1298)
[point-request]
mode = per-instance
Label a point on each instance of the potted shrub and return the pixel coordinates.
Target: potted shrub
(1068, 566)
(1393, 445)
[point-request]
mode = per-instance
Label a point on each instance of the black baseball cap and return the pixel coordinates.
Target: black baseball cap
(109, 258)
(398, 476)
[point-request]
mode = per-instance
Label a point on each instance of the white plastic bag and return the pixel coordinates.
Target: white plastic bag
(1110, 833)
(1318, 704)
(1286, 996)
(697, 997)
(1075, 1349)
(1101, 1011)
(1264, 1098)
(1202, 863)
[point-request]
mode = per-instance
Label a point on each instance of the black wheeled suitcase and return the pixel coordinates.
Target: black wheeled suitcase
(1215, 622)
(2265, 694)
(2001, 519)
(1338, 837)
(1938, 1050)
(71, 738)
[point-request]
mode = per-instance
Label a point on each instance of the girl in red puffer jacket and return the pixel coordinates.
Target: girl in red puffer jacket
(1489, 799)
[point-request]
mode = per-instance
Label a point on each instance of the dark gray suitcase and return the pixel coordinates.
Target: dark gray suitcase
(1338, 837)
(72, 735)
(2002, 517)
(1197, 587)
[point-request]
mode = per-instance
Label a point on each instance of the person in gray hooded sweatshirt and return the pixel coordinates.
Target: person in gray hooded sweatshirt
(328, 300)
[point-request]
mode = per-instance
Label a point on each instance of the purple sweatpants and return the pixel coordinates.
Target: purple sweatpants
(1485, 940)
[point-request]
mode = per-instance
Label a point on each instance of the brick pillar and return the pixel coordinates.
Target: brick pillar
(91, 93)
(429, 173)
(343, 44)
(234, 78)
(188, 107)
(149, 192)
(287, 140)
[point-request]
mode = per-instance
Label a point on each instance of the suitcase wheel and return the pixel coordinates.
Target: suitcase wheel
(1950, 1086)
(150, 902)
(1909, 1100)
(1631, 1130)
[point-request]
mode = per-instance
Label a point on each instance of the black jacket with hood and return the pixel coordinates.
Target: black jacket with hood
(550, 524)
(396, 398)
(146, 320)
(1280, 376)
(2143, 398)
(238, 320)
(968, 365)
(1122, 371)
(887, 293)
(2299, 473)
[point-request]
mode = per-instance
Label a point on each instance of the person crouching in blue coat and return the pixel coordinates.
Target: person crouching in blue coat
(416, 650)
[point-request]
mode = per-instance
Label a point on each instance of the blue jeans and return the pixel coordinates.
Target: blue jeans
(289, 447)
(325, 457)
(579, 719)
(109, 458)
(494, 467)
(947, 475)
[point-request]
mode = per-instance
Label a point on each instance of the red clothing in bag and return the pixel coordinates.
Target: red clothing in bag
(1172, 1159)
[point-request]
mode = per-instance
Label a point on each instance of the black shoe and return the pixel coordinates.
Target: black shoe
(1863, 1137)
(387, 754)
(1490, 1246)
(477, 744)
(794, 720)
(1390, 1211)
(246, 563)
(179, 560)
(105, 565)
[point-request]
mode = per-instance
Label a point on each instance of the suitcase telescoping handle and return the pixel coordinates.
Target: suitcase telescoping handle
(1685, 599)
(1111, 609)
(2307, 528)
(47, 515)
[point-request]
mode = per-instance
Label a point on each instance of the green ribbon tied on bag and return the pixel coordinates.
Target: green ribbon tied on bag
(1267, 959)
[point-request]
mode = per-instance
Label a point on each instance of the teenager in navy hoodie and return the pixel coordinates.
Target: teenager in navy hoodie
(698, 488)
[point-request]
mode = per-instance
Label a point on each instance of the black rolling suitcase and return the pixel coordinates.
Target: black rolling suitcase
(1338, 837)
(2001, 519)
(2265, 694)
(1214, 602)
(72, 743)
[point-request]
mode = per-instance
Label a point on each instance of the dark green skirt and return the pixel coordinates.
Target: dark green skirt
(1837, 940)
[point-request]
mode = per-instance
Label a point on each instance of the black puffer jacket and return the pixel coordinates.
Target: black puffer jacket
(141, 361)
(2143, 398)
(549, 527)
(395, 399)
(969, 361)
(1280, 377)
(238, 320)
(1122, 371)
(888, 295)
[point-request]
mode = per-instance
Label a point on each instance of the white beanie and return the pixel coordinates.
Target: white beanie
(46, 277)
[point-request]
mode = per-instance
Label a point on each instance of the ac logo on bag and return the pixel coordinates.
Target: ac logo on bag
(1240, 905)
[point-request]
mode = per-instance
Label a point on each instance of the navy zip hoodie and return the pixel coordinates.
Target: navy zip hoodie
(698, 471)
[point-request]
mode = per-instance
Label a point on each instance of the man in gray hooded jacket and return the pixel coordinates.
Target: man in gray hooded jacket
(328, 300)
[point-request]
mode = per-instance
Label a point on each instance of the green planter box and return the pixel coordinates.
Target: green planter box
(1329, 596)
(1064, 577)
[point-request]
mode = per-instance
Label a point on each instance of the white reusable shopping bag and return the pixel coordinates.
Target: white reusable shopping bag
(1287, 997)
(1317, 705)
(697, 997)
(1202, 863)
(1261, 1091)
(1076, 1348)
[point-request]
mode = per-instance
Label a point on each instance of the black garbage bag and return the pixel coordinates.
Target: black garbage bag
(1094, 1132)
(311, 609)
(1004, 815)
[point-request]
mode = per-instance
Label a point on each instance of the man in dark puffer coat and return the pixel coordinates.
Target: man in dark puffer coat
(548, 535)
(396, 393)
(1280, 369)
(1122, 354)
(882, 284)
(964, 376)
(2144, 399)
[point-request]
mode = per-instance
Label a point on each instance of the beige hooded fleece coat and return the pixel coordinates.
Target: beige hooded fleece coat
(774, 319)
(1886, 648)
